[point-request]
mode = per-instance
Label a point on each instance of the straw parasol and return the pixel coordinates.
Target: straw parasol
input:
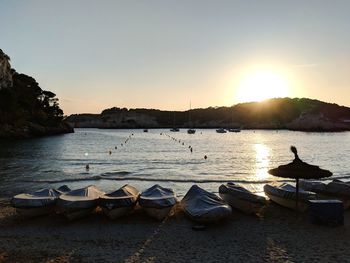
(299, 170)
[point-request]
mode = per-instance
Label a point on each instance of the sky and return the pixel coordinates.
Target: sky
(164, 54)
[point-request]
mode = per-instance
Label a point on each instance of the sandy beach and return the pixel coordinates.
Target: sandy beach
(279, 236)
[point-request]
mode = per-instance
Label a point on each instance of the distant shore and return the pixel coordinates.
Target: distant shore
(297, 114)
(280, 236)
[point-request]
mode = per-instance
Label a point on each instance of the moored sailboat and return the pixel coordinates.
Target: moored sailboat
(190, 130)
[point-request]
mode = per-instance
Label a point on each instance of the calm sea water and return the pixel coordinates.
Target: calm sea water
(143, 159)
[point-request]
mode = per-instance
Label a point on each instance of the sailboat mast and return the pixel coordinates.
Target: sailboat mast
(189, 116)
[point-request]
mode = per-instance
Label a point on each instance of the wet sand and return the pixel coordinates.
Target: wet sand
(280, 236)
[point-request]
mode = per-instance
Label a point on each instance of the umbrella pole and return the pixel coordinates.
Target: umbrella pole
(297, 194)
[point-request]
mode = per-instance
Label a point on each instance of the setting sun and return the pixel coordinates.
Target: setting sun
(262, 85)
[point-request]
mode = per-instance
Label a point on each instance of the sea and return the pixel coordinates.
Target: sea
(131, 156)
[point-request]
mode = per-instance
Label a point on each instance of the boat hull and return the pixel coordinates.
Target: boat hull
(206, 219)
(77, 214)
(35, 211)
(288, 203)
(158, 213)
(245, 206)
(117, 212)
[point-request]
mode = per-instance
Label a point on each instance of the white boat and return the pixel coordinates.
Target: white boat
(285, 195)
(203, 206)
(41, 202)
(157, 201)
(335, 189)
(242, 199)
(119, 202)
(79, 203)
(221, 130)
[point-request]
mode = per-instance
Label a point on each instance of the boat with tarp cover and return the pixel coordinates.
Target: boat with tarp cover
(158, 201)
(41, 202)
(79, 202)
(203, 206)
(120, 202)
(336, 189)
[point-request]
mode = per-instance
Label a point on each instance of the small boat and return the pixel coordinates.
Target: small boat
(157, 201)
(145, 130)
(119, 202)
(41, 202)
(221, 130)
(79, 203)
(234, 130)
(203, 206)
(285, 195)
(242, 199)
(335, 189)
(191, 131)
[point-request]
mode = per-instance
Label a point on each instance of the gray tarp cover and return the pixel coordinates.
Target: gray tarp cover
(287, 191)
(86, 197)
(338, 188)
(40, 198)
(335, 188)
(157, 197)
(201, 204)
(312, 186)
(125, 196)
(240, 192)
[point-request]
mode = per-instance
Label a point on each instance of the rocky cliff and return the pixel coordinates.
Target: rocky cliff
(5, 71)
(281, 113)
(25, 109)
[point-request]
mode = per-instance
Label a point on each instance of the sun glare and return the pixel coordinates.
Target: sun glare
(262, 85)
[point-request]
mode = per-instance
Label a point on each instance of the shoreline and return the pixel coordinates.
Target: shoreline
(279, 236)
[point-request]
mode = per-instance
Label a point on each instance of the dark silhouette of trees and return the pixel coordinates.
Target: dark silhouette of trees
(25, 101)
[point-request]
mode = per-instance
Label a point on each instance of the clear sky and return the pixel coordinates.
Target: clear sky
(162, 54)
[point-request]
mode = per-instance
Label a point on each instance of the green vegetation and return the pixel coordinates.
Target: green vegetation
(25, 109)
(26, 101)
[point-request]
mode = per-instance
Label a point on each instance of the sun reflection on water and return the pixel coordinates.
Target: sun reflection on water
(262, 155)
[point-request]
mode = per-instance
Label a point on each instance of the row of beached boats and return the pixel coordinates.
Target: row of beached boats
(157, 201)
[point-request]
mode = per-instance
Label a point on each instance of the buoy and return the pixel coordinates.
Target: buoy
(87, 167)
(110, 152)
(205, 157)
